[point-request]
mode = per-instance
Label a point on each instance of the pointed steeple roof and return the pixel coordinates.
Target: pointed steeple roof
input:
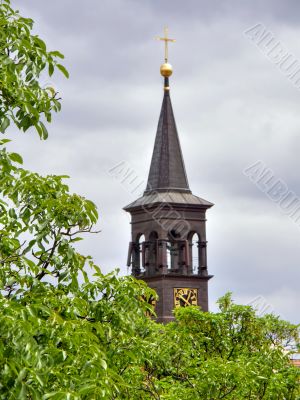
(167, 180)
(167, 170)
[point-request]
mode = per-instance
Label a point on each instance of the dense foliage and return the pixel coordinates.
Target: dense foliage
(23, 60)
(69, 332)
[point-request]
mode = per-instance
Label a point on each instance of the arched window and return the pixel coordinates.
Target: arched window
(169, 255)
(173, 249)
(194, 243)
(195, 253)
(141, 250)
(152, 253)
(153, 236)
(135, 255)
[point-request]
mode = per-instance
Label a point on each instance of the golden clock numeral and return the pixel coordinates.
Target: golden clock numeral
(184, 297)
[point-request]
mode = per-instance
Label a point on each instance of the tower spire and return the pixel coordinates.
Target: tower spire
(167, 170)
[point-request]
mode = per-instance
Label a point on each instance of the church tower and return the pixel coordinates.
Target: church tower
(168, 249)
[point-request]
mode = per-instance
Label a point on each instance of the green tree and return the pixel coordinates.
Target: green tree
(58, 328)
(23, 60)
(232, 354)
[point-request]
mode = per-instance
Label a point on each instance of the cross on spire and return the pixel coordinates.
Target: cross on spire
(166, 39)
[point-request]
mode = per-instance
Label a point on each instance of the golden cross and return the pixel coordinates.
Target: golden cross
(166, 39)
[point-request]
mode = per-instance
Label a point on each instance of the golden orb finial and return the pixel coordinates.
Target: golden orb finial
(166, 70)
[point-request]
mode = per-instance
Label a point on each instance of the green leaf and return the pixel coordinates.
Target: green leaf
(4, 124)
(56, 54)
(16, 157)
(3, 141)
(63, 70)
(103, 364)
(76, 239)
(42, 130)
(40, 43)
(50, 69)
(50, 395)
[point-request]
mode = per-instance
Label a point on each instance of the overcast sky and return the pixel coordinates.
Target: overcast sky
(233, 106)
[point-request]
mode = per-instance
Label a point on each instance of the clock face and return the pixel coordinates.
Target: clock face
(152, 301)
(184, 297)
